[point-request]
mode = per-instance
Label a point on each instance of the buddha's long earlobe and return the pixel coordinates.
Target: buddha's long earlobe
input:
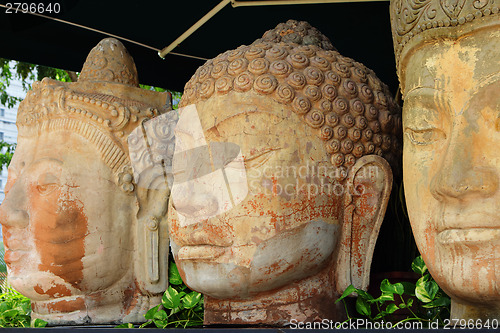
(151, 147)
(152, 244)
(368, 188)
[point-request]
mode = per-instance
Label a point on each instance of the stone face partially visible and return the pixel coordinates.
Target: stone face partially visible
(281, 178)
(76, 222)
(448, 59)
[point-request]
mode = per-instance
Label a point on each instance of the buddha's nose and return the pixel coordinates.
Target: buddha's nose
(195, 201)
(464, 172)
(13, 211)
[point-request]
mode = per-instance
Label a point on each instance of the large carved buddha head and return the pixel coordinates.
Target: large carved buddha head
(75, 220)
(448, 60)
(284, 211)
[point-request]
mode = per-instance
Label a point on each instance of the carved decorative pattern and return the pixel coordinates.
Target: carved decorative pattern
(411, 17)
(102, 64)
(103, 112)
(152, 145)
(297, 32)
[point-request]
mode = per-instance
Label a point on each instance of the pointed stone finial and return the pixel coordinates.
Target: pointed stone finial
(110, 61)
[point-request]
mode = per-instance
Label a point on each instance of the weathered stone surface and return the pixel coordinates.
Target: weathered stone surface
(448, 64)
(74, 217)
(291, 217)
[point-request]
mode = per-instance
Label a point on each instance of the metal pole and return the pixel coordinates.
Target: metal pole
(236, 3)
(195, 27)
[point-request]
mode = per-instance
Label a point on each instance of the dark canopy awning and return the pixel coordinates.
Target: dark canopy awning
(358, 29)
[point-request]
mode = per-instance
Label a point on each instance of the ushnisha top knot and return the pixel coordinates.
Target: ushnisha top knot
(298, 32)
(109, 61)
(351, 110)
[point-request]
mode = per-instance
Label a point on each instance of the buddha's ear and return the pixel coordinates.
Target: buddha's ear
(152, 244)
(368, 188)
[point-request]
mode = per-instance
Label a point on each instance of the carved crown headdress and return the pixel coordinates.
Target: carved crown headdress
(416, 21)
(104, 106)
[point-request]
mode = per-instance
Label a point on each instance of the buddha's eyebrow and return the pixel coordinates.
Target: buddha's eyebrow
(492, 78)
(431, 91)
(422, 90)
(50, 159)
(431, 98)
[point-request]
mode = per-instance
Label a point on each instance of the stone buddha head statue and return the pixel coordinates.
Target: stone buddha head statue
(448, 61)
(315, 134)
(77, 225)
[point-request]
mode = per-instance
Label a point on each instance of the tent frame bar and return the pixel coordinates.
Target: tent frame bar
(237, 3)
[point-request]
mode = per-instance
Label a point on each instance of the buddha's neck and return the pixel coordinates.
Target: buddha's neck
(475, 311)
(111, 306)
(311, 299)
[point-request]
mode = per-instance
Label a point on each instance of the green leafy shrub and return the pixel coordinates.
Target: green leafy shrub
(424, 300)
(180, 307)
(6, 153)
(3, 266)
(15, 310)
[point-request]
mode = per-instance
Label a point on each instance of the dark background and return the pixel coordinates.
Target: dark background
(360, 30)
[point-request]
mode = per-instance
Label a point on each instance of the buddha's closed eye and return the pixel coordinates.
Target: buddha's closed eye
(427, 136)
(47, 183)
(257, 158)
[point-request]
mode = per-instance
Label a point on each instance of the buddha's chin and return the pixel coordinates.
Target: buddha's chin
(41, 286)
(228, 281)
(468, 270)
(218, 280)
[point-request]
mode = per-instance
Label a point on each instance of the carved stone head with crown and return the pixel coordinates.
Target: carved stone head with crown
(73, 215)
(448, 58)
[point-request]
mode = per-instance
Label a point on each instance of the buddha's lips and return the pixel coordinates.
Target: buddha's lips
(468, 218)
(15, 247)
(202, 233)
(58, 240)
(13, 256)
(469, 235)
(14, 243)
(200, 252)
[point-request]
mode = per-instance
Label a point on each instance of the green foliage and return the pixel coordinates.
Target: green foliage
(418, 266)
(425, 300)
(3, 266)
(15, 310)
(5, 77)
(6, 153)
(180, 307)
(26, 73)
(176, 96)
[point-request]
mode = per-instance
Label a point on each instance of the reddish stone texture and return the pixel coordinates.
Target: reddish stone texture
(272, 243)
(59, 231)
(130, 296)
(55, 291)
(69, 217)
(286, 249)
(62, 306)
(305, 301)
